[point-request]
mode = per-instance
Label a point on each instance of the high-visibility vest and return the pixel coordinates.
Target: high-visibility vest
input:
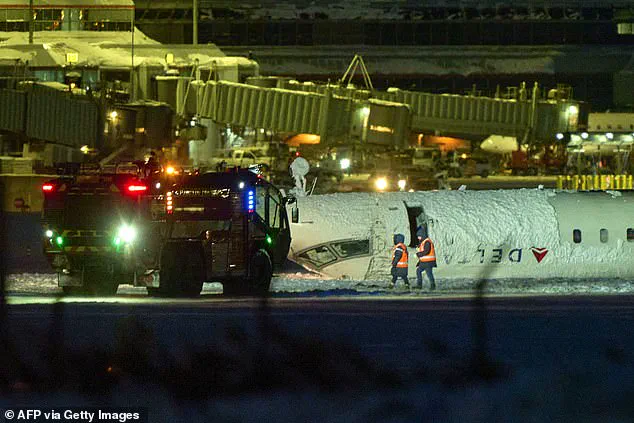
(431, 256)
(402, 263)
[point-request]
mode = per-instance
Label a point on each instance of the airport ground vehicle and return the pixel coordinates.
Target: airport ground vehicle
(168, 233)
(476, 165)
(247, 157)
(388, 180)
(549, 161)
(426, 158)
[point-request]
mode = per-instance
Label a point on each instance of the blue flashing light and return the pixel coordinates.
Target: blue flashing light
(250, 201)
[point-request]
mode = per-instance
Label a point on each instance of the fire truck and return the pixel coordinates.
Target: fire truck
(167, 231)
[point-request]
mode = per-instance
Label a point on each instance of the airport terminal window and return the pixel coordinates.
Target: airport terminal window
(603, 235)
(630, 234)
(436, 31)
(576, 236)
(319, 255)
(352, 248)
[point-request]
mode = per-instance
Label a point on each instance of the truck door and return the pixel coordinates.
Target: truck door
(280, 232)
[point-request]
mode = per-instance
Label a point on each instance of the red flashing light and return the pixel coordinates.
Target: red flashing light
(48, 187)
(137, 188)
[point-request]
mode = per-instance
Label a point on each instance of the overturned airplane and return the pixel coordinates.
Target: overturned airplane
(525, 233)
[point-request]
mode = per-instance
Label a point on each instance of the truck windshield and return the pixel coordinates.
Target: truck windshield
(202, 204)
(92, 211)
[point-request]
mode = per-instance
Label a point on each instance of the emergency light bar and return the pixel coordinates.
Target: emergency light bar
(250, 201)
(169, 205)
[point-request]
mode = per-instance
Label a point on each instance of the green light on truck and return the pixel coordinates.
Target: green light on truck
(269, 240)
(59, 240)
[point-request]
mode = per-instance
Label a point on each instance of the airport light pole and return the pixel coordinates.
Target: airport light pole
(30, 21)
(195, 22)
(132, 60)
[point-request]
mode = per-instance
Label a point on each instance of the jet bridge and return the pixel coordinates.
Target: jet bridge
(334, 111)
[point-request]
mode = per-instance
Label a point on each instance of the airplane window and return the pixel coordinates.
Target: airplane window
(352, 248)
(603, 235)
(576, 236)
(630, 234)
(319, 255)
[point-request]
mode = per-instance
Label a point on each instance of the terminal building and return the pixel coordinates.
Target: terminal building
(45, 40)
(131, 52)
(437, 45)
(65, 64)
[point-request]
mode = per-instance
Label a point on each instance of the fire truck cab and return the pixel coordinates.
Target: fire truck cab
(167, 232)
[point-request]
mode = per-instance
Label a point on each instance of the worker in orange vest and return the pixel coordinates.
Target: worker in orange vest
(426, 254)
(399, 260)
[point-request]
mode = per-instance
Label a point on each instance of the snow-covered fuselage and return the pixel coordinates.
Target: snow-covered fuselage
(525, 233)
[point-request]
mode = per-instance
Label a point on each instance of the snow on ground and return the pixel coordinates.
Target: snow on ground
(302, 283)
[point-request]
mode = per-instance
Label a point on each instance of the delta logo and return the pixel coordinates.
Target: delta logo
(539, 253)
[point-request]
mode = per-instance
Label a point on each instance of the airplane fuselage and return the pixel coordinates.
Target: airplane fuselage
(526, 233)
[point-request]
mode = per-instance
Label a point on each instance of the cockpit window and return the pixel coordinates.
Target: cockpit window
(630, 234)
(319, 255)
(352, 248)
(603, 235)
